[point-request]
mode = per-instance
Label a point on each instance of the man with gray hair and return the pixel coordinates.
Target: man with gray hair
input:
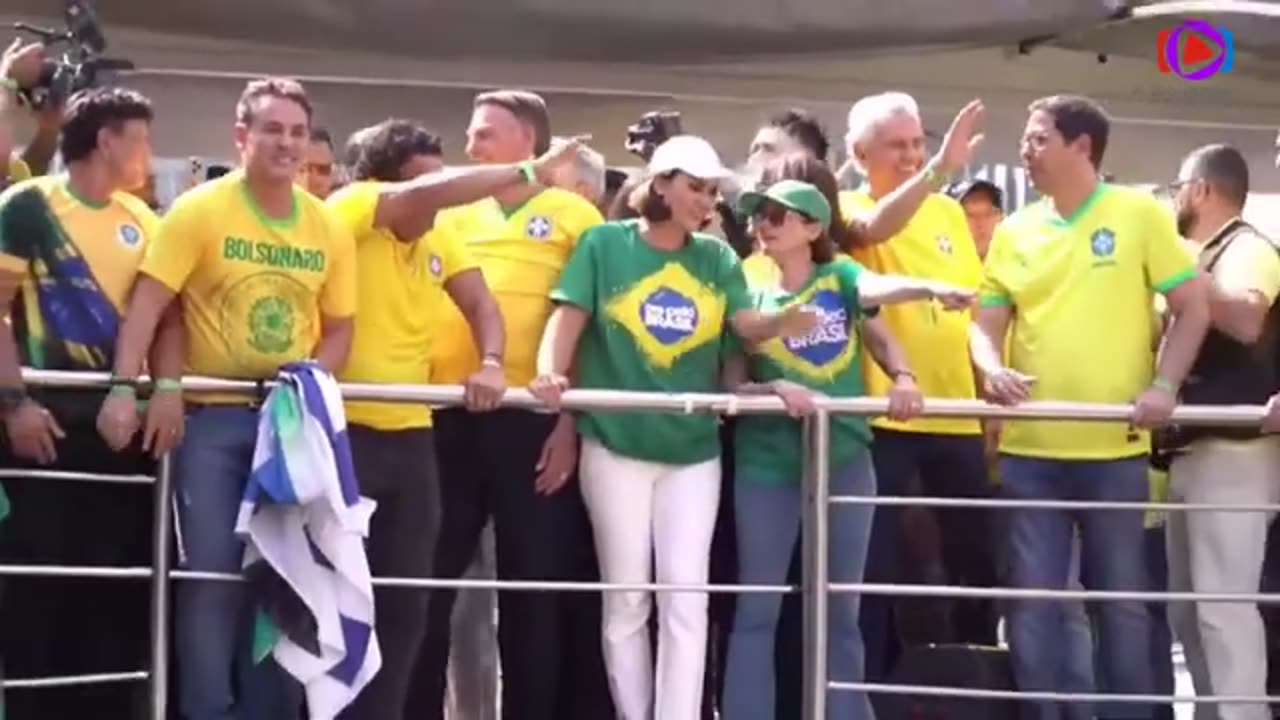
(936, 457)
(586, 177)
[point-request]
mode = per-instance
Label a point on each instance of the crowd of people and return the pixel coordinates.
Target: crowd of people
(535, 267)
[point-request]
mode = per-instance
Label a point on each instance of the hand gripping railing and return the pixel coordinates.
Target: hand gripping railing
(816, 585)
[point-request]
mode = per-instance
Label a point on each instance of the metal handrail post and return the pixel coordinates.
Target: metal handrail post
(816, 568)
(161, 560)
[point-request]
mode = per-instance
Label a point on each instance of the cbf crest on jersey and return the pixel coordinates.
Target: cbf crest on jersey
(538, 227)
(669, 313)
(830, 347)
(435, 265)
(130, 235)
(1103, 244)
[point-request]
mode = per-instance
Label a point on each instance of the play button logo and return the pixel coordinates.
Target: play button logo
(1195, 50)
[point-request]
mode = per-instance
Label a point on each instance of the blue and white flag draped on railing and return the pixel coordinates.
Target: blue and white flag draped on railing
(304, 524)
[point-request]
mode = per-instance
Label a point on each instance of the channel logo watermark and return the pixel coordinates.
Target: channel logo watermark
(1195, 50)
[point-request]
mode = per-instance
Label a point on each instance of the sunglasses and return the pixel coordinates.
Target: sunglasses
(775, 214)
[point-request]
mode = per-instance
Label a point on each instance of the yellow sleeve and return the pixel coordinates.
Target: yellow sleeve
(338, 296)
(18, 170)
(1250, 263)
(966, 251)
(1167, 259)
(582, 215)
(354, 207)
(993, 290)
(181, 237)
(454, 254)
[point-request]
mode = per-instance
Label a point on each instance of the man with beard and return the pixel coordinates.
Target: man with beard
(1090, 250)
(1225, 643)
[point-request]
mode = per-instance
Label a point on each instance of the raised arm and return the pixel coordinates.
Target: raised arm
(410, 206)
(893, 211)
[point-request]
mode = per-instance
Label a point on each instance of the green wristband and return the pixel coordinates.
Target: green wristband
(530, 175)
(168, 385)
(1166, 385)
(123, 390)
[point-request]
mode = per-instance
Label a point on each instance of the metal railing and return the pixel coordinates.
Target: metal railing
(816, 586)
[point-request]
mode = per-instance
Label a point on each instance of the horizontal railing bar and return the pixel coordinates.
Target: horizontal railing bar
(36, 474)
(556, 585)
(953, 591)
(75, 571)
(977, 694)
(1230, 415)
(1048, 504)
(863, 588)
(70, 680)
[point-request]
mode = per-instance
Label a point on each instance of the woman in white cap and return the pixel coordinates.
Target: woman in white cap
(644, 305)
(792, 221)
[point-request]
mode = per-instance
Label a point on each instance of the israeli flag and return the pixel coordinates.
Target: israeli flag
(304, 525)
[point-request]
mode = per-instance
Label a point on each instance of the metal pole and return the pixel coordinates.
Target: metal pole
(816, 580)
(161, 558)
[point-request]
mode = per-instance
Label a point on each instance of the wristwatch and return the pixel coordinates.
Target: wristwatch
(11, 398)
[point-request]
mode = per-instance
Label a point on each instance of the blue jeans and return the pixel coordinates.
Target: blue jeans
(214, 619)
(1113, 557)
(768, 525)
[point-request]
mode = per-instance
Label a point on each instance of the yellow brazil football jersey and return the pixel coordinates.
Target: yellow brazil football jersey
(1081, 289)
(44, 223)
(253, 287)
(18, 170)
(934, 244)
(400, 292)
(521, 252)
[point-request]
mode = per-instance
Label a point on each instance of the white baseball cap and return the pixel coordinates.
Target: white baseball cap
(690, 155)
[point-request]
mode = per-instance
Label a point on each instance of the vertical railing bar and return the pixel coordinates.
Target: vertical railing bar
(161, 561)
(816, 577)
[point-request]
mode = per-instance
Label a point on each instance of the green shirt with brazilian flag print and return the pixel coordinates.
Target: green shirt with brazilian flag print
(827, 360)
(658, 324)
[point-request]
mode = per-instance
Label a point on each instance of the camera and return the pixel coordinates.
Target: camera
(80, 60)
(653, 129)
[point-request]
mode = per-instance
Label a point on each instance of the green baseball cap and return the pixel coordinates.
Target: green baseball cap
(802, 197)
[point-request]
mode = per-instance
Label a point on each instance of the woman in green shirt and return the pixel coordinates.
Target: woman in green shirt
(791, 219)
(644, 305)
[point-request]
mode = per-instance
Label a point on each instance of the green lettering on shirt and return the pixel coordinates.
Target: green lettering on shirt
(284, 257)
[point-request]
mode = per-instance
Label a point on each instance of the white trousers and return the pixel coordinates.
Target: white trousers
(1222, 552)
(651, 517)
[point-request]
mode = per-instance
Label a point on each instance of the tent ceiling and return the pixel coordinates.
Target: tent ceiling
(589, 30)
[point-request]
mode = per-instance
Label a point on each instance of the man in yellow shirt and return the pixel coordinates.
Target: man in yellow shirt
(1072, 279)
(318, 174)
(512, 465)
(70, 247)
(903, 225)
(405, 270)
(266, 276)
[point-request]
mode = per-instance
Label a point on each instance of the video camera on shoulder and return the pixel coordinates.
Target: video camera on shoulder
(653, 129)
(77, 65)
